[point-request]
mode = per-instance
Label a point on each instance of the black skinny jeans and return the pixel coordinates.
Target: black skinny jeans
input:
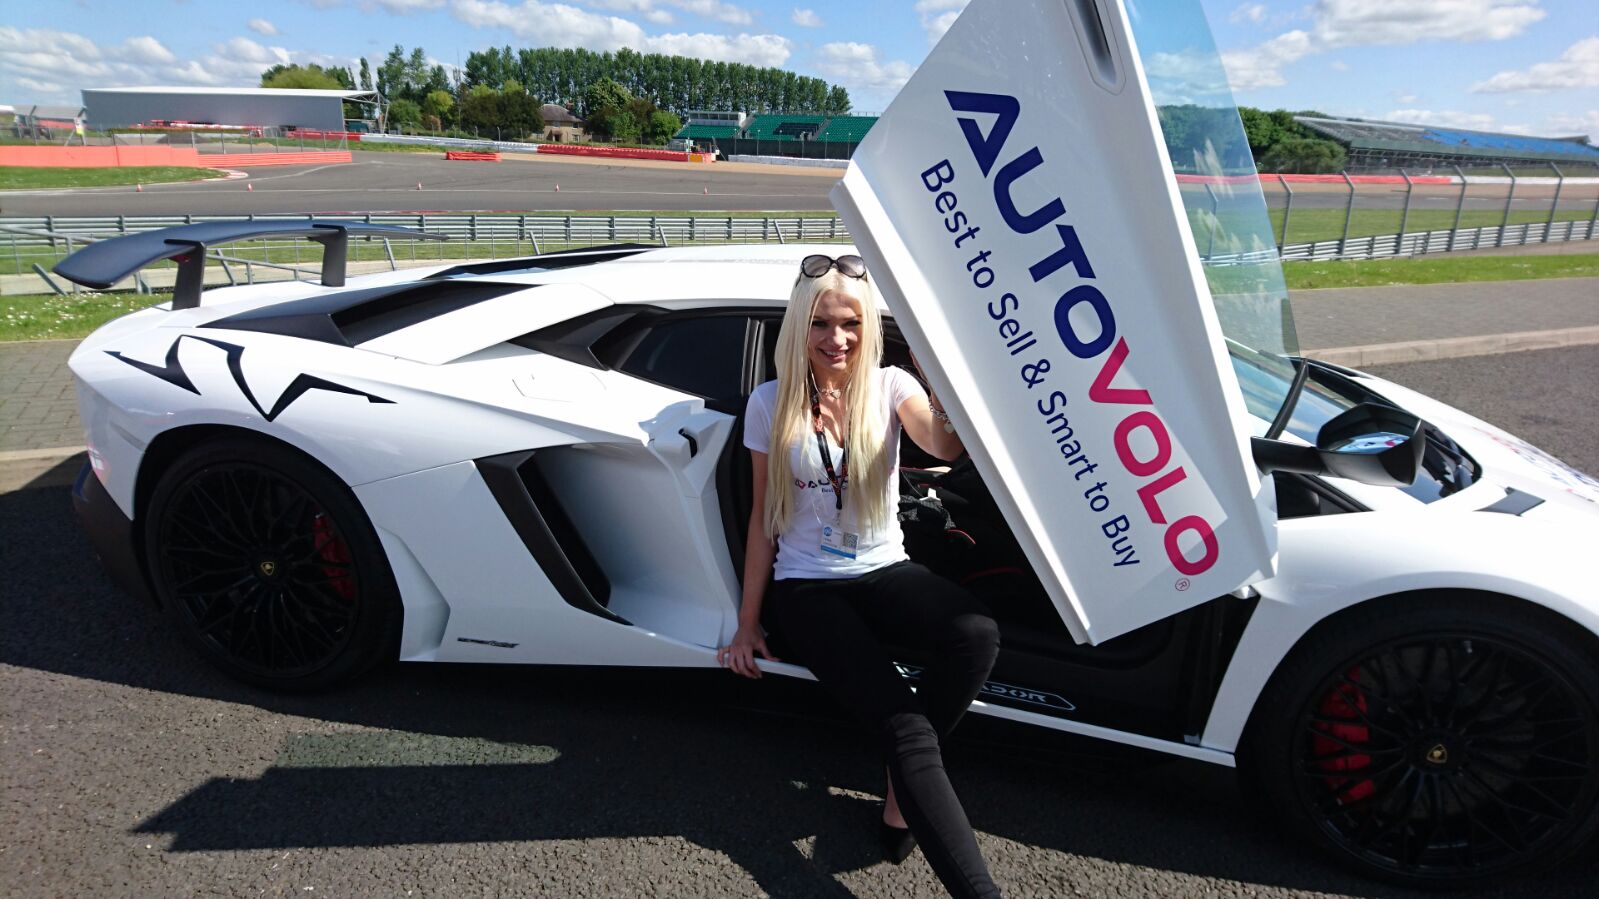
(838, 627)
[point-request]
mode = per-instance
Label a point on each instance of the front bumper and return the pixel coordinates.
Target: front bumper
(111, 533)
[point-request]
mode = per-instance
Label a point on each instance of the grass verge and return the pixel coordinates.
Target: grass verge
(49, 317)
(1437, 270)
(28, 178)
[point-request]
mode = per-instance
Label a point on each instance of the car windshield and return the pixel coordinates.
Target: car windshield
(1220, 191)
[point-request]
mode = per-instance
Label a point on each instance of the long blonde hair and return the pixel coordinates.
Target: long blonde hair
(864, 446)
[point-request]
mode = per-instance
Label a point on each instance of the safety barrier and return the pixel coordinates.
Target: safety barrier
(115, 156)
(611, 152)
(471, 156)
(251, 160)
(352, 136)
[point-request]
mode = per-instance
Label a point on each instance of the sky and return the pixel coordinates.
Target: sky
(1524, 66)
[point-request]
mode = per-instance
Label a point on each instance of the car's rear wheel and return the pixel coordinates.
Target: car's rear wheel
(1434, 743)
(266, 564)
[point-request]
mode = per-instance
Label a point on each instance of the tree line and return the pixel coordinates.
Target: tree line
(1272, 142)
(625, 96)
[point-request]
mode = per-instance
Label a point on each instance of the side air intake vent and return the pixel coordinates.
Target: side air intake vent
(549, 535)
(357, 316)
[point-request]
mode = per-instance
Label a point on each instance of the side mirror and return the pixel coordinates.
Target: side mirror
(1370, 443)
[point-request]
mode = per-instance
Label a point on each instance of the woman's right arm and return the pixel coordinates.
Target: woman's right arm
(759, 553)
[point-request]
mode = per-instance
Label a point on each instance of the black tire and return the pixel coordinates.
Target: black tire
(266, 564)
(1434, 742)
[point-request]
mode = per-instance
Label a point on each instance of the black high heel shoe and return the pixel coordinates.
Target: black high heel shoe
(898, 842)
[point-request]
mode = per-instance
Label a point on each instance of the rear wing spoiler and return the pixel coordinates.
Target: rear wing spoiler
(102, 264)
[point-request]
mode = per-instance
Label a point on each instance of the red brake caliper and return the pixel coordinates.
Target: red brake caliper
(332, 549)
(1344, 702)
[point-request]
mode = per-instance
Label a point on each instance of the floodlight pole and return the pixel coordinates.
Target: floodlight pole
(1460, 205)
(1349, 214)
(1288, 208)
(1404, 216)
(1210, 247)
(1560, 181)
(1509, 198)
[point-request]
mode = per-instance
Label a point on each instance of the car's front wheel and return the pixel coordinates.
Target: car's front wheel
(266, 564)
(1434, 741)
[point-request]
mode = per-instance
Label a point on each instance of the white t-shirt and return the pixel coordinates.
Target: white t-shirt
(799, 549)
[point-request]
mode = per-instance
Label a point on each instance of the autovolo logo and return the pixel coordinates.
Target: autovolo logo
(1085, 325)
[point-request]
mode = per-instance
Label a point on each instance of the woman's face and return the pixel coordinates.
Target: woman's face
(835, 335)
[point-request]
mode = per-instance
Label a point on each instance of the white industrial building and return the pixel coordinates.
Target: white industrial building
(121, 107)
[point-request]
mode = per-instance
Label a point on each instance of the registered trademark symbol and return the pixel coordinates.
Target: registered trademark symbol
(1182, 584)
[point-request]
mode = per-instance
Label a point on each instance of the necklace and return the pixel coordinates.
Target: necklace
(830, 392)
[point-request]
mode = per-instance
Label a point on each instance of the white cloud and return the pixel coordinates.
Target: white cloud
(1355, 23)
(1480, 121)
(1352, 23)
(938, 15)
(1338, 65)
(1249, 12)
(1577, 67)
(1262, 66)
(42, 87)
(263, 27)
(1568, 124)
(147, 51)
(559, 25)
(648, 9)
(406, 7)
(652, 10)
(1405, 99)
(857, 67)
(807, 18)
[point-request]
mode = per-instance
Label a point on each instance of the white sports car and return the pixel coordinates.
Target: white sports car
(1370, 601)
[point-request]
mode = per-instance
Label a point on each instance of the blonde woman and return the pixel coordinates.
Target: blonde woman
(825, 561)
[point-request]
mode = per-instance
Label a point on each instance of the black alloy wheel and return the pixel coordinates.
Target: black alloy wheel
(1438, 746)
(267, 565)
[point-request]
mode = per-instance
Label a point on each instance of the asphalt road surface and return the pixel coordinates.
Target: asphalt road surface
(387, 182)
(130, 768)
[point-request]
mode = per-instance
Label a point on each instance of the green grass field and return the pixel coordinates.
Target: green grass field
(48, 316)
(28, 178)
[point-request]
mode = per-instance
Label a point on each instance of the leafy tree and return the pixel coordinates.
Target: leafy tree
(662, 126)
(308, 77)
(366, 75)
(1300, 155)
(438, 103)
(405, 112)
(480, 108)
(604, 94)
(837, 102)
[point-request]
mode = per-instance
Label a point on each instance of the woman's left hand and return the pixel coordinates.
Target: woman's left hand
(739, 655)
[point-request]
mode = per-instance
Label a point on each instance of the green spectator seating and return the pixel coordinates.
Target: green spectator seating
(706, 132)
(847, 128)
(784, 127)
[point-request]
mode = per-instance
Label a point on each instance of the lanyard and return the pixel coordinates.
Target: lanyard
(836, 478)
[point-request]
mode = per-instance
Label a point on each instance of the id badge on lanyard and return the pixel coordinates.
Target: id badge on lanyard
(838, 541)
(835, 539)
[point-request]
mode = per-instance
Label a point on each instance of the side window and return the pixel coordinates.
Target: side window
(703, 355)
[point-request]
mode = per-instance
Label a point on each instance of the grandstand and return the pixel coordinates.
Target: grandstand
(785, 127)
(849, 128)
(1389, 145)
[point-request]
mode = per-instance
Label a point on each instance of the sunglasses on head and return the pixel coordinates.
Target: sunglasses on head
(818, 265)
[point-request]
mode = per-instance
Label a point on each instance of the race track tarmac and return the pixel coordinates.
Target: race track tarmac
(387, 182)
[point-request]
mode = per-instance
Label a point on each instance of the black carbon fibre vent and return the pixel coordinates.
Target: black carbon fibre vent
(355, 316)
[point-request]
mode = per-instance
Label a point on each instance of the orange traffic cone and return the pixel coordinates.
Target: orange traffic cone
(138, 188)
(419, 185)
(706, 191)
(557, 188)
(249, 188)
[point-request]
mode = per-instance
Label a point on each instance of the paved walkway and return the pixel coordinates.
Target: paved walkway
(1354, 326)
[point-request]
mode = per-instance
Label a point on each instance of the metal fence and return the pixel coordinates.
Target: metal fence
(1410, 213)
(29, 246)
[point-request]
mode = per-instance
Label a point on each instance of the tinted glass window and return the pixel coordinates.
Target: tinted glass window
(703, 356)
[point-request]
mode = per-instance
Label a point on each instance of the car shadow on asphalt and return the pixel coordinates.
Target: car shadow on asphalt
(763, 772)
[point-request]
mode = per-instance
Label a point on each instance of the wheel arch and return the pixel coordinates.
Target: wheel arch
(1229, 732)
(167, 448)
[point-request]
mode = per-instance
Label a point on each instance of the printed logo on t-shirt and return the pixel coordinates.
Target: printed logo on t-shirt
(812, 485)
